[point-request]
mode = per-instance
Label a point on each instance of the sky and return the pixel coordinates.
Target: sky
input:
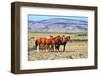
(44, 17)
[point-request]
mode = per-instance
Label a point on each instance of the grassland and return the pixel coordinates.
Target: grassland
(74, 50)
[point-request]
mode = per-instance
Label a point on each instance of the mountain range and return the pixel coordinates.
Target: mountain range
(60, 25)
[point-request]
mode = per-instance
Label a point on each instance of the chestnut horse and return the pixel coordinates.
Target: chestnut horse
(47, 43)
(50, 44)
(40, 42)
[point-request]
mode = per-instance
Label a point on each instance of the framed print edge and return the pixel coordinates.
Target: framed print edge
(15, 37)
(96, 37)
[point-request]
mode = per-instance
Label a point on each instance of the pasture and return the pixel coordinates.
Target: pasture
(75, 49)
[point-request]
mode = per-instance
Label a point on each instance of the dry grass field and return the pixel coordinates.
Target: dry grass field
(76, 49)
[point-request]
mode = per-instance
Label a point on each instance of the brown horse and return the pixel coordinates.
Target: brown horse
(47, 43)
(40, 42)
(50, 43)
(61, 41)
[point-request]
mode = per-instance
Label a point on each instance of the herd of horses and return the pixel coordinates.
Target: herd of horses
(51, 43)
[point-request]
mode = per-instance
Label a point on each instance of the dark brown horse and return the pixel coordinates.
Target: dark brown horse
(61, 41)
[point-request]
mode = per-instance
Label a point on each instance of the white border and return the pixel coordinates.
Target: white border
(25, 64)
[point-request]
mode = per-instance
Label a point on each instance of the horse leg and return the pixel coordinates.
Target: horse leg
(54, 48)
(58, 48)
(42, 46)
(37, 48)
(47, 47)
(64, 48)
(51, 47)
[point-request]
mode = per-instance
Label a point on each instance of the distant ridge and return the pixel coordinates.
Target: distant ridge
(60, 25)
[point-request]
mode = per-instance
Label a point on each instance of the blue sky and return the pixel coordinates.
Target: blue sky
(44, 17)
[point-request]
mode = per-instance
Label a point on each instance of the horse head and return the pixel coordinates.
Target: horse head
(68, 38)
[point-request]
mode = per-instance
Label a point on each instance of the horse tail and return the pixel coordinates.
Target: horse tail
(36, 43)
